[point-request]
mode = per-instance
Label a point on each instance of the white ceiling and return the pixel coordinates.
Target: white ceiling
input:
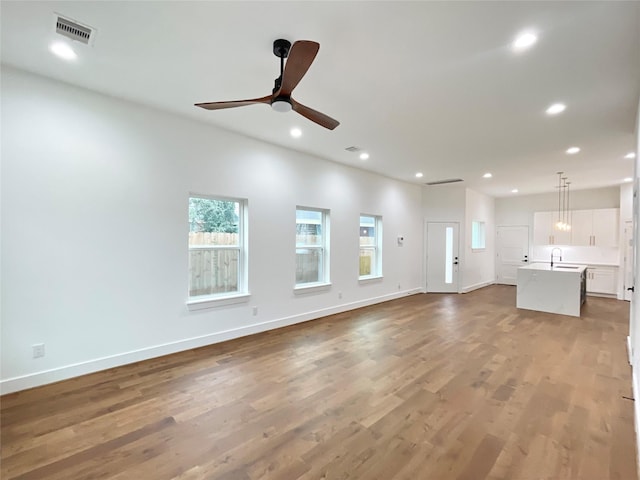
(422, 86)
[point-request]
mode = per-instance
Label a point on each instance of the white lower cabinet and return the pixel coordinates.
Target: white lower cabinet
(602, 280)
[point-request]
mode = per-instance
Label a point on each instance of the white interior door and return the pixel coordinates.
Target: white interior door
(512, 252)
(442, 257)
(628, 259)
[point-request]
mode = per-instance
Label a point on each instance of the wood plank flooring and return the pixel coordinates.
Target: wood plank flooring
(462, 387)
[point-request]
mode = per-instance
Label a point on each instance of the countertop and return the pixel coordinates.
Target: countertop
(556, 268)
(589, 264)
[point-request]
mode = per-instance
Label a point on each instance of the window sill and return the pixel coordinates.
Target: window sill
(474, 250)
(212, 302)
(311, 288)
(370, 279)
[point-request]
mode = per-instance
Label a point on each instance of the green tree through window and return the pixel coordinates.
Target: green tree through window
(209, 215)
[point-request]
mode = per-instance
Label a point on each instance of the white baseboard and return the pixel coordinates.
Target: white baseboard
(603, 295)
(629, 351)
(44, 377)
(471, 288)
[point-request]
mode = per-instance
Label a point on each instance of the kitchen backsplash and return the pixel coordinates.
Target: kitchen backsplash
(584, 255)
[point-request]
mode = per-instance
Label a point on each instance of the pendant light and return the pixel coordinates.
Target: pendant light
(567, 224)
(563, 223)
(560, 222)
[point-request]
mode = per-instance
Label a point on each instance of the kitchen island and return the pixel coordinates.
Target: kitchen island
(554, 289)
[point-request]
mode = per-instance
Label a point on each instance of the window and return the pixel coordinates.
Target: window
(370, 246)
(312, 253)
(448, 255)
(217, 254)
(477, 235)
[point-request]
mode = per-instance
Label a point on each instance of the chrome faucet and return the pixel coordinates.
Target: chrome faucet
(559, 256)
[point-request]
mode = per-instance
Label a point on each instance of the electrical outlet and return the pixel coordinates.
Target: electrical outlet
(255, 311)
(38, 350)
(399, 286)
(339, 294)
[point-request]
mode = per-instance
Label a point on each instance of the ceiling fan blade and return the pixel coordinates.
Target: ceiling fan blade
(234, 103)
(315, 116)
(301, 56)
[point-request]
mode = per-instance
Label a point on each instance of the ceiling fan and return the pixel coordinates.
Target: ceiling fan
(300, 56)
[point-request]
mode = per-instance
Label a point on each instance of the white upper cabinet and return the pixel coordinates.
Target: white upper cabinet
(582, 227)
(595, 228)
(605, 227)
(589, 228)
(545, 231)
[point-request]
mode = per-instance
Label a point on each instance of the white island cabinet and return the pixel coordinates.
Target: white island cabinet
(558, 289)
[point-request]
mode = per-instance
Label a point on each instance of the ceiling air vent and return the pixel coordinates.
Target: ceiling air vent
(353, 149)
(73, 30)
(442, 182)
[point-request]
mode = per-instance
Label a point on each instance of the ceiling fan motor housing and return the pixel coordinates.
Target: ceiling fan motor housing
(281, 48)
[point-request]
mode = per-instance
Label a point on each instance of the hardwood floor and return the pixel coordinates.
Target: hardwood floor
(426, 387)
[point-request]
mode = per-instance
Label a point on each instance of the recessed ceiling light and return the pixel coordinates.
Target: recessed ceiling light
(628, 179)
(630, 155)
(63, 50)
(556, 108)
(573, 150)
(419, 175)
(364, 156)
(524, 41)
(295, 132)
(487, 175)
(515, 190)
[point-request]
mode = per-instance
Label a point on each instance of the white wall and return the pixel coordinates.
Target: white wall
(479, 266)
(519, 209)
(94, 230)
(446, 203)
(455, 203)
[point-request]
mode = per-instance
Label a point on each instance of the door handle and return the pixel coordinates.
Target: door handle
(632, 289)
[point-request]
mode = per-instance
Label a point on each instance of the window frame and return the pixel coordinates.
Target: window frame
(376, 270)
(241, 294)
(478, 236)
(324, 247)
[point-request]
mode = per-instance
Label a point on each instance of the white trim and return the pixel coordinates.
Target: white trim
(629, 351)
(212, 302)
(311, 288)
(636, 416)
(476, 286)
(24, 382)
(603, 295)
(215, 247)
(324, 247)
(370, 279)
(376, 247)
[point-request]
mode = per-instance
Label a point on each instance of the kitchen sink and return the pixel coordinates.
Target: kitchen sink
(569, 267)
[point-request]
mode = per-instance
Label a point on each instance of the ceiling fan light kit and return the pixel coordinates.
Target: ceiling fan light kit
(281, 105)
(299, 56)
